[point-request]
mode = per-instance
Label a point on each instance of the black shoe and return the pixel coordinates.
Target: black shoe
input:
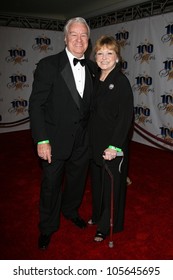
(79, 222)
(43, 241)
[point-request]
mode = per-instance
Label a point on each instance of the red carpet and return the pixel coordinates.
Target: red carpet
(148, 233)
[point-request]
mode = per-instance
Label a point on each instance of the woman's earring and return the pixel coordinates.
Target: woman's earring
(117, 60)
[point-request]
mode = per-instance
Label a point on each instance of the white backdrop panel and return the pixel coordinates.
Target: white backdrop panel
(147, 52)
(21, 49)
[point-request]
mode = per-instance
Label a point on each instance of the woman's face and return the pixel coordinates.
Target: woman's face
(106, 58)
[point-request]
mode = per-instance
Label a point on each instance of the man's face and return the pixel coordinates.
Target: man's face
(77, 39)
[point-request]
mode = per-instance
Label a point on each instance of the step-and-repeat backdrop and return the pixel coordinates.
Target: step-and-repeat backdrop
(20, 50)
(147, 51)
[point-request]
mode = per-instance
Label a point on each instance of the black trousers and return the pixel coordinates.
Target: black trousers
(101, 194)
(62, 187)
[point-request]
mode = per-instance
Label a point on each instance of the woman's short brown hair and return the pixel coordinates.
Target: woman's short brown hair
(109, 42)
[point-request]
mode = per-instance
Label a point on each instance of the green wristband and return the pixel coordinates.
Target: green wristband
(43, 142)
(115, 148)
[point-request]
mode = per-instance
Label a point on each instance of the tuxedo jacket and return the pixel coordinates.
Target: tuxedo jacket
(112, 114)
(55, 107)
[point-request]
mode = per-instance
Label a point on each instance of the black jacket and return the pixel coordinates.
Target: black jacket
(55, 108)
(112, 114)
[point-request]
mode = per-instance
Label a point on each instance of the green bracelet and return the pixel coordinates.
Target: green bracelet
(43, 142)
(115, 148)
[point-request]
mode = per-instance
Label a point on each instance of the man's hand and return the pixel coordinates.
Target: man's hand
(44, 151)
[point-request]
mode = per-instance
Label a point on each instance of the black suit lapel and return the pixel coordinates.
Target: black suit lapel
(67, 75)
(88, 81)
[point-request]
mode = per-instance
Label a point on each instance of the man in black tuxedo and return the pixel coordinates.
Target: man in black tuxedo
(59, 110)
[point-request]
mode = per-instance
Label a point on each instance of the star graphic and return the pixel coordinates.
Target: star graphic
(171, 39)
(145, 57)
(18, 86)
(18, 60)
(170, 76)
(143, 89)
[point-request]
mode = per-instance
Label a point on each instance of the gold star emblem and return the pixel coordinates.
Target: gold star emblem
(170, 76)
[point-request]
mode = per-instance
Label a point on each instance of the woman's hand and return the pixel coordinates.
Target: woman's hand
(109, 154)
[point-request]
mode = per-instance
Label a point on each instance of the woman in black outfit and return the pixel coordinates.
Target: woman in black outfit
(111, 120)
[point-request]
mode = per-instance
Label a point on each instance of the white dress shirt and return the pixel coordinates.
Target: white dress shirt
(78, 73)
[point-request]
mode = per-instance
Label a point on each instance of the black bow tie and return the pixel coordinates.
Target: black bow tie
(82, 61)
